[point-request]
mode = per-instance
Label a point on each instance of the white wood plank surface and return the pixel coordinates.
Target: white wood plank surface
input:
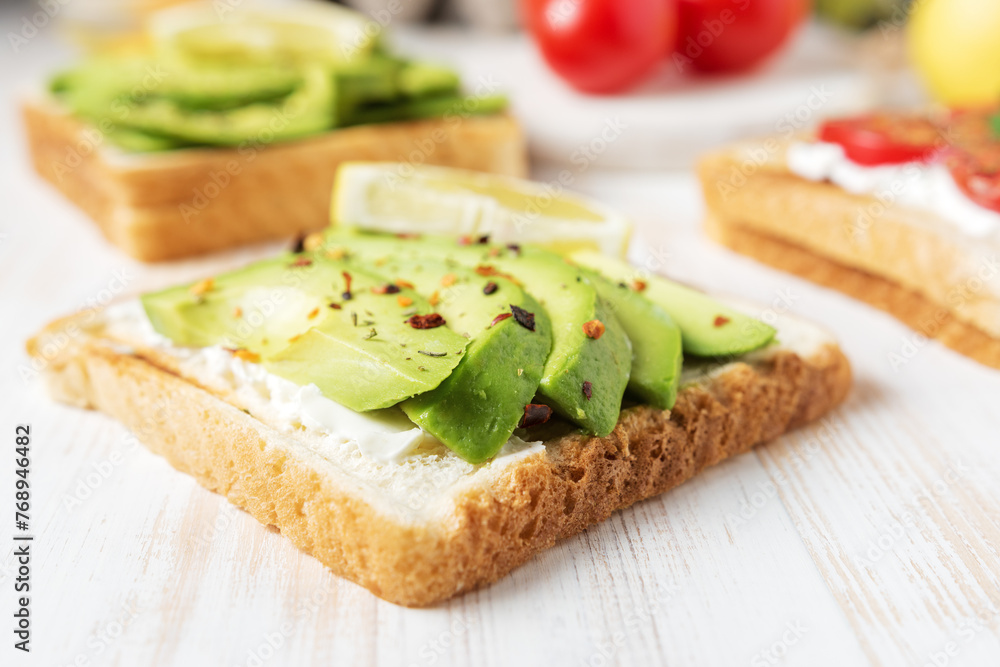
(869, 538)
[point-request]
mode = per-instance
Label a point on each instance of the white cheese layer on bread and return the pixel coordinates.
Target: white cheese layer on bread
(408, 469)
(925, 186)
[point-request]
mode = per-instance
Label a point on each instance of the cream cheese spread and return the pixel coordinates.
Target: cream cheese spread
(915, 184)
(385, 436)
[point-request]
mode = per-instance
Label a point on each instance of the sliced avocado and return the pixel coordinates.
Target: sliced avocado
(657, 355)
(360, 352)
(417, 79)
(708, 328)
(371, 81)
(476, 409)
(219, 88)
(428, 107)
(576, 359)
(309, 109)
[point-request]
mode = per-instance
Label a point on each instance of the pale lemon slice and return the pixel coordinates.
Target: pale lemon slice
(304, 32)
(403, 199)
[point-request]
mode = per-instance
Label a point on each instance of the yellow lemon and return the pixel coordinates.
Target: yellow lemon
(955, 46)
(402, 198)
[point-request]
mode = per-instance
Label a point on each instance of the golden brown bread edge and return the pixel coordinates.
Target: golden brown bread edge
(493, 529)
(806, 228)
(161, 206)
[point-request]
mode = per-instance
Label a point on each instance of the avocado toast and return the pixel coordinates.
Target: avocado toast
(178, 148)
(419, 514)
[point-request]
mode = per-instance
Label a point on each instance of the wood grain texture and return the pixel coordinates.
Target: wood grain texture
(149, 569)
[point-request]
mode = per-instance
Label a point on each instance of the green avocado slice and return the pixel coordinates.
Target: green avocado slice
(476, 409)
(584, 378)
(708, 328)
(657, 355)
(307, 110)
(362, 353)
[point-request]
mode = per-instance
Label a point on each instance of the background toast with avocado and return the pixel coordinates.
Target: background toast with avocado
(179, 147)
(438, 521)
(915, 244)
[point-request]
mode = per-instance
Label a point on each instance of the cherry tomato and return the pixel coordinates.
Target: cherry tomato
(882, 139)
(978, 176)
(734, 35)
(602, 46)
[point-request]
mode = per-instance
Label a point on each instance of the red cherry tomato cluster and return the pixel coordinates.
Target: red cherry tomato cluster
(965, 142)
(606, 46)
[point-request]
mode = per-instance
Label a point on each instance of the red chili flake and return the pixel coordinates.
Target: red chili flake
(388, 288)
(405, 283)
(523, 317)
(313, 313)
(720, 320)
(429, 321)
(490, 288)
(335, 306)
(347, 286)
(244, 354)
(639, 285)
(494, 252)
(500, 318)
(594, 329)
(407, 235)
(486, 270)
(588, 389)
(464, 240)
(534, 414)
(301, 261)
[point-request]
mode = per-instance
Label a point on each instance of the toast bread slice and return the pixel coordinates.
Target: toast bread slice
(906, 261)
(417, 533)
(161, 206)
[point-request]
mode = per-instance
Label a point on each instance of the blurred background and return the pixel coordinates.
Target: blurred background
(692, 74)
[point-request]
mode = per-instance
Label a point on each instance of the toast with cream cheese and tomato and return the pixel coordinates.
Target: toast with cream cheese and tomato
(901, 211)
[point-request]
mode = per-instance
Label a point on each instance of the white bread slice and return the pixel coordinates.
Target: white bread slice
(423, 530)
(909, 262)
(160, 206)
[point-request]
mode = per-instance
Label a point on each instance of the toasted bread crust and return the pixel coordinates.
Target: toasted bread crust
(181, 203)
(913, 249)
(914, 310)
(491, 528)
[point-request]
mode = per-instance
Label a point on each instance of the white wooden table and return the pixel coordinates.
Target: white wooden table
(870, 538)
